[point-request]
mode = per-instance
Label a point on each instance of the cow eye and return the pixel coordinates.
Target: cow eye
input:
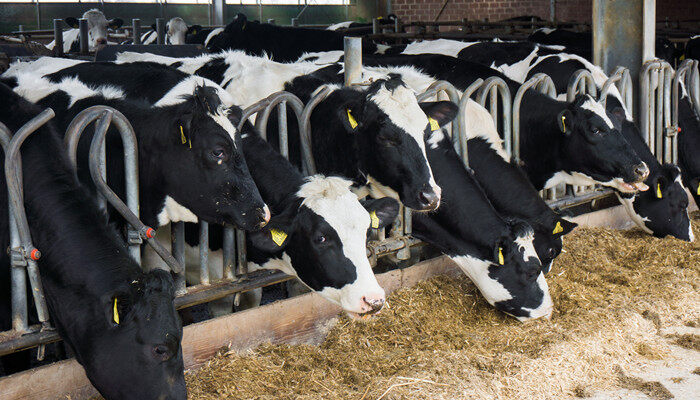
(597, 132)
(320, 239)
(161, 352)
(388, 141)
(218, 154)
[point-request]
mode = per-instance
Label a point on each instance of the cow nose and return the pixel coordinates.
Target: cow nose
(264, 215)
(642, 171)
(372, 303)
(101, 41)
(429, 200)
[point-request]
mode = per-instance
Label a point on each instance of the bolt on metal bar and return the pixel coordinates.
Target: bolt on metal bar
(58, 37)
(490, 89)
(160, 31)
(13, 176)
(83, 33)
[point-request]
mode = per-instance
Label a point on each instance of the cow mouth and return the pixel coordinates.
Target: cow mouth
(632, 187)
(366, 316)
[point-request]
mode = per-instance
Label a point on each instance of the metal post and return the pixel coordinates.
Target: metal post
(228, 250)
(83, 26)
(160, 31)
(177, 238)
(295, 22)
(271, 21)
(136, 31)
(375, 25)
(203, 252)
(58, 37)
(491, 88)
(218, 10)
(353, 60)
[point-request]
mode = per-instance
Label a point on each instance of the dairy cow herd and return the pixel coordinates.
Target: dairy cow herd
(375, 146)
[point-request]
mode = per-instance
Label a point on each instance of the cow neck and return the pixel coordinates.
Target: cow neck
(276, 179)
(540, 138)
(465, 210)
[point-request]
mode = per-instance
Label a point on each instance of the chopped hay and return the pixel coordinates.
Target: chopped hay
(689, 341)
(612, 292)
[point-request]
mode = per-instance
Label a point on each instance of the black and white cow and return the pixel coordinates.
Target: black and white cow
(119, 321)
(692, 48)
(363, 28)
(561, 142)
(505, 184)
(190, 158)
(97, 31)
(497, 254)
(317, 232)
(281, 43)
(176, 31)
(358, 118)
(689, 144)
(660, 211)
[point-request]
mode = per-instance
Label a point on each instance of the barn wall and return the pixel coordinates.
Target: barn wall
(494, 10)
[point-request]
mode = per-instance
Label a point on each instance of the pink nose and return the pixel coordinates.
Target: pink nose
(372, 302)
(266, 216)
(101, 41)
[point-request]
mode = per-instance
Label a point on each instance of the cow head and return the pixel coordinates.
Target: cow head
(97, 27)
(321, 238)
(548, 239)
(511, 279)
(133, 350)
(203, 167)
(390, 129)
(594, 151)
(176, 30)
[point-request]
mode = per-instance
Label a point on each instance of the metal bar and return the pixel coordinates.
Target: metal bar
(282, 127)
(203, 252)
(353, 60)
(160, 31)
(83, 27)
(295, 22)
(228, 250)
(271, 21)
(13, 176)
(375, 25)
(581, 82)
(308, 163)
(462, 116)
(241, 254)
(136, 31)
(58, 37)
(541, 82)
(492, 87)
(18, 278)
(177, 238)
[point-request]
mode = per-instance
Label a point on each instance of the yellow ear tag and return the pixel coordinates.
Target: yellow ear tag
(115, 312)
(351, 120)
(698, 189)
(658, 191)
(433, 124)
(183, 138)
(558, 228)
(682, 57)
(278, 236)
(500, 256)
(563, 122)
(375, 220)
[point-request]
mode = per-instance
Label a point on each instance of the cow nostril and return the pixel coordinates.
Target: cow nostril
(101, 41)
(429, 199)
(264, 215)
(374, 304)
(642, 171)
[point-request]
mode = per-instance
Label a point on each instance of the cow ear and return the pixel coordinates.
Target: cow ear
(183, 127)
(500, 251)
(116, 306)
(350, 115)
(192, 30)
(115, 23)
(439, 113)
(565, 121)
(72, 22)
(563, 227)
(274, 236)
(154, 27)
(382, 212)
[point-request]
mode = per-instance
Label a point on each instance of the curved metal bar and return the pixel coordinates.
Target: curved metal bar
(544, 84)
(581, 82)
(105, 116)
(280, 99)
(13, 176)
(96, 173)
(622, 79)
(462, 118)
(655, 111)
(492, 87)
(308, 163)
(684, 74)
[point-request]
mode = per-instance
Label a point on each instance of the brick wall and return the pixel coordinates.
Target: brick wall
(494, 10)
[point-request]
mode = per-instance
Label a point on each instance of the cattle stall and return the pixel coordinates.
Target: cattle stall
(308, 318)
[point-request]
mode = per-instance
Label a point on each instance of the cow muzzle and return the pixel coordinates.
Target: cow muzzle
(369, 306)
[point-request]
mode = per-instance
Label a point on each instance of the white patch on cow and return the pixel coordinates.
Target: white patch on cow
(525, 244)
(34, 88)
(332, 200)
(435, 138)
(211, 34)
(596, 108)
(573, 178)
(376, 190)
(220, 116)
(478, 271)
(546, 307)
(438, 46)
(628, 205)
(413, 77)
(401, 106)
(479, 124)
(283, 264)
(546, 31)
(186, 87)
(42, 66)
(517, 71)
(382, 48)
(339, 25)
(174, 212)
(69, 37)
(322, 57)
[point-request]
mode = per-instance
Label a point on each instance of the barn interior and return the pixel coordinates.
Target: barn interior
(620, 289)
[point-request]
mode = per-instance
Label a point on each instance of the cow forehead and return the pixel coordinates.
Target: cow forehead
(401, 106)
(176, 24)
(95, 18)
(597, 109)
